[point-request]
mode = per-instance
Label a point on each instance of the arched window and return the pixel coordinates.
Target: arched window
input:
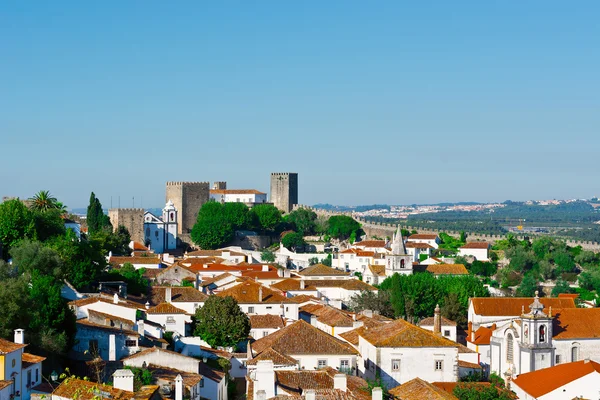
(172, 216)
(401, 263)
(574, 353)
(542, 333)
(509, 348)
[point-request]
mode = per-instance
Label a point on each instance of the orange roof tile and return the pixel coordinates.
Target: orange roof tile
(293, 284)
(447, 269)
(576, 323)
(91, 300)
(248, 293)
(266, 321)
(98, 314)
(213, 253)
(476, 245)
(302, 338)
(352, 336)
(275, 356)
(449, 386)
(466, 364)
(297, 382)
(6, 346)
(512, 306)
(30, 359)
(400, 333)
(165, 308)
(321, 270)
(546, 380)
(85, 323)
(329, 315)
(134, 260)
(418, 389)
(169, 374)
(179, 294)
(423, 236)
(418, 245)
(85, 390)
(483, 335)
(430, 320)
(377, 270)
(371, 243)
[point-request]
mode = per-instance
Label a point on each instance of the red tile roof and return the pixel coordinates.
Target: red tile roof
(476, 245)
(546, 380)
(576, 323)
(268, 321)
(371, 243)
(301, 338)
(418, 245)
(6, 346)
(165, 308)
(430, 320)
(483, 336)
(512, 306)
(28, 360)
(134, 260)
(179, 294)
(423, 236)
(275, 356)
(322, 270)
(447, 269)
(297, 382)
(418, 389)
(377, 270)
(400, 333)
(466, 364)
(313, 284)
(85, 390)
(248, 293)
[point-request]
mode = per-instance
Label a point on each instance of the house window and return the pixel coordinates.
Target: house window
(401, 263)
(321, 364)
(557, 359)
(344, 365)
(170, 320)
(542, 333)
(250, 310)
(29, 379)
(269, 307)
(439, 365)
(509, 348)
(37, 374)
(395, 365)
(574, 353)
(202, 382)
(265, 333)
(130, 343)
(446, 333)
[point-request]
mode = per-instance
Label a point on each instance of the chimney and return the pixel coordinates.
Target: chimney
(123, 379)
(470, 332)
(261, 395)
(265, 378)
(437, 320)
(339, 382)
(493, 328)
(147, 305)
(168, 295)
(260, 294)
(140, 327)
(586, 360)
(357, 324)
(302, 286)
(178, 387)
(112, 348)
(310, 394)
(250, 259)
(367, 313)
(377, 394)
(265, 268)
(19, 336)
(116, 299)
(313, 320)
(280, 272)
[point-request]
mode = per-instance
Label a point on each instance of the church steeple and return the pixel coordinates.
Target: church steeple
(537, 350)
(398, 246)
(398, 261)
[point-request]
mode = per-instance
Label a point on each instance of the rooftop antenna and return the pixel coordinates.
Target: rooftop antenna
(111, 202)
(133, 200)
(119, 201)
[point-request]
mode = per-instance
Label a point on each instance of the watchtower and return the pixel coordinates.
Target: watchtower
(284, 190)
(187, 198)
(130, 218)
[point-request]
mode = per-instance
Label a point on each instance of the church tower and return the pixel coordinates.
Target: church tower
(536, 348)
(399, 261)
(170, 226)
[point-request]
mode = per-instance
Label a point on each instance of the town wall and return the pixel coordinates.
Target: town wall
(130, 218)
(284, 190)
(187, 197)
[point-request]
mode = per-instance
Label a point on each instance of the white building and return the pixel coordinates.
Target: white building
(250, 197)
(263, 325)
(431, 239)
(171, 318)
(417, 249)
(20, 372)
(399, 261)
(576, 380)
(161, 234)
(478, 250)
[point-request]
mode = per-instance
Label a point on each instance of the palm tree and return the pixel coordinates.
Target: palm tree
(43, 201)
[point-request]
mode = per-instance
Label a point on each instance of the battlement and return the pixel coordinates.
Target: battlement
(187, 183)
(126, 210)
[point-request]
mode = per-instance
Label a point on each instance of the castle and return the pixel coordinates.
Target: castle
(284, 190)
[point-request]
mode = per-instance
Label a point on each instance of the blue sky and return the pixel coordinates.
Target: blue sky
(370, 102)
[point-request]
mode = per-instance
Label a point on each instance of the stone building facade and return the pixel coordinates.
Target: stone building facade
(130, 218)
(187, 197)
(284, 190)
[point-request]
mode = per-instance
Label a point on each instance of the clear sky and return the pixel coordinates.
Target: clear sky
(370, 102)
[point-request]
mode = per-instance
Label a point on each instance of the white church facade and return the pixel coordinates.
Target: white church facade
(160, 235)
(399, 261)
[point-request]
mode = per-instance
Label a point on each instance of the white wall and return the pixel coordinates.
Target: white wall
(165, 359)
(586, 387)
(479, 254)
(107, 308)
(311, 362)
(289, 310)
(451, 328)
(587, 348)
(171, 322)
(85, 334)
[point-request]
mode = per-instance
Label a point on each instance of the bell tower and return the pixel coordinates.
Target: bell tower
(537, 350)
(399, 261)
(170, 225)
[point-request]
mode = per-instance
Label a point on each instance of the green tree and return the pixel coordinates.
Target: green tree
(302, 220)
(313, 260)
(342, 227)
(237, 215)
(482, 268)
(43, 201)
(586, 258)
(116, 242)
(212, 230)
(267, 256)
(564, 262)
(529, 285)
(221, 322)
(370, 300)
(267, 216)
(293, 241)
(16, 223)
(48, 224)
(29, 256)
(561, 287)
(327, 260)
(521, 259)
(454, 310)
(136, 283)
(471, 391)
(590, 279)
(96, 219)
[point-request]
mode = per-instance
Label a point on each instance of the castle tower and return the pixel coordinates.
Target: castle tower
(535, 345)
(187, 198)
(284, 190)
(399, 261)
(130, 218)
(170, 221)
(219, 186)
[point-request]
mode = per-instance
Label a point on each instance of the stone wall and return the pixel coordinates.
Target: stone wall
(130, 218)
(187, 197)
(284, 190)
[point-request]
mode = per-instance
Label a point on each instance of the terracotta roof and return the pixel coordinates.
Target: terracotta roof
(217, 278)
(483, 336)
(302, 338)
(5, 384)
(400, 333)
(134, 260)
(352, 336)
(329, 315)
(169, 374)
(426, 236)
(109, 317)
(476, 245)
(248, 293)
(418, 389)
(466, 364)
(165, 308)
(512, 306)
(359, 253)
(179, 294)
(568, 295)
(322, 270)
(371, 243)
(447, 269)
(214, 253)
(418, 245)
(272, 273)
(576, 323)
(313, 284)
(235, 191)
(303, 298)
(213, 374)
(275, 356)
(92, 300)
(85, 390)
(6, 346)
(378, 270)
(546, 380)
(429, 321)
(113, 329)
(297, 382)
(139, 246)
(266, 321)
(28, 360)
